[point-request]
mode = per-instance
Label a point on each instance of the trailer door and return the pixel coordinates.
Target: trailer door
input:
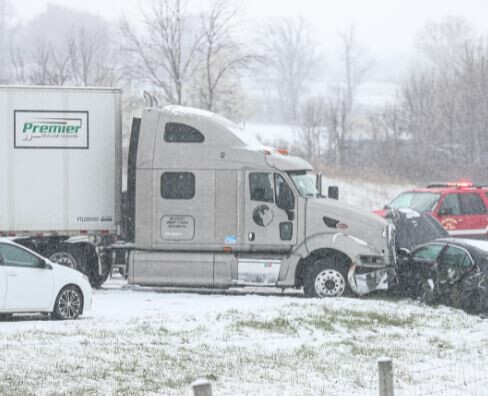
(270, 212)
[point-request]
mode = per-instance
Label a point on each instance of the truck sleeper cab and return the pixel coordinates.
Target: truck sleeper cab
(215, 208)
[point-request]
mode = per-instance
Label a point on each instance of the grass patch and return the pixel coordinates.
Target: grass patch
(276, 325)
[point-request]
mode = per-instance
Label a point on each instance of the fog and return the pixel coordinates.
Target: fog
(386, 27)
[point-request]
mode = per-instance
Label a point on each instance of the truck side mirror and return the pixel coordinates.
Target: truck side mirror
(318, 183)
(2, 262)
(333, 192)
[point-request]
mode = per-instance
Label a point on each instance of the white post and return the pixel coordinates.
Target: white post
(385, 376)
(201, 387)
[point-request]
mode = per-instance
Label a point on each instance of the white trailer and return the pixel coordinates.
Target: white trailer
(206, 204)
(60, 171)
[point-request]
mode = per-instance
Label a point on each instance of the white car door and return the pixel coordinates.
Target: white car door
(29, 287)
(3, 284)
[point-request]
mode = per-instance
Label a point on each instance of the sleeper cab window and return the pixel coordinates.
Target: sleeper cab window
(261, 187)
(175, 132)
(177, 185)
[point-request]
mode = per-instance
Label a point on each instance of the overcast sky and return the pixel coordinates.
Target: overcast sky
(385, 27)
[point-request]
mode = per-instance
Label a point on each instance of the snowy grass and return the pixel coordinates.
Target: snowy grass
(150, 341)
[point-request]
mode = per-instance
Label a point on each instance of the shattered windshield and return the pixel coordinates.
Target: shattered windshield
(418, 201)
(305, 183)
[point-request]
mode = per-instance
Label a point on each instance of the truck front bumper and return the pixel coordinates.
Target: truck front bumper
(364, 280)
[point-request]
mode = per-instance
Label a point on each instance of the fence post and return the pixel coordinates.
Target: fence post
(201, 387)
(385, 376)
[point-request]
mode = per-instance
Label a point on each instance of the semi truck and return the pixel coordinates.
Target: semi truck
(207, 205)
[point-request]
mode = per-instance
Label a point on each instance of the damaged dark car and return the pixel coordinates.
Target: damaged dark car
(447, 271)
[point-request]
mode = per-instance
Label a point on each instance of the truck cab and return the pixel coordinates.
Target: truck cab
(215, 208)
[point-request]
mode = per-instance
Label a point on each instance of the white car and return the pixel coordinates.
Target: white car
(31, 283)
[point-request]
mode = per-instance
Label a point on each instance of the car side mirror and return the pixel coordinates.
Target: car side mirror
(404, 254)
(44, 265)
(446, 211)
(333, 192)
(2, 261)
(386, 207)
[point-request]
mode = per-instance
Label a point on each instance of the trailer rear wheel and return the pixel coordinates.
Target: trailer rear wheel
(83, 257)
(64, 257)
(326, 277)
(96, 279)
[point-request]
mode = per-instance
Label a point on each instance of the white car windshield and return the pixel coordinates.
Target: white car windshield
(418, 201)
(305, 183)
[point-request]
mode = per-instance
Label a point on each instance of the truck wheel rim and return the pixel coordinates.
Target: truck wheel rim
(63, 258)
(69, 304)
(330, 283)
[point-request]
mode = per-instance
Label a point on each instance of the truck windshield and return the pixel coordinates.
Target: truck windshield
(305, 183)
(418, 201)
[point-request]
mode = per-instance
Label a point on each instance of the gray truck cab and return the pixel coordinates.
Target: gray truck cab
(215, 208)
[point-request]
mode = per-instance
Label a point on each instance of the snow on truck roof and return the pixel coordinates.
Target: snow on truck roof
(276, 157)
(200, 114)
(245, 137)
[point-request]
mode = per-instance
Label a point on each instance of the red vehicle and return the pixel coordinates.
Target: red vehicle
(461, 207)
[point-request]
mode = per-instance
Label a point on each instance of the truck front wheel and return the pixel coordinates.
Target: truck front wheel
(326, 277)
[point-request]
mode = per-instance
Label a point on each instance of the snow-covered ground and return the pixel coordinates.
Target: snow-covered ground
(157, 341)
(247, 341)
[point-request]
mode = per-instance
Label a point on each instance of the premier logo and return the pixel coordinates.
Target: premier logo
(51, 129)
(53, 125)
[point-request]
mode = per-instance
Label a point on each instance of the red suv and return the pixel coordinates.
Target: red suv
(460, 207)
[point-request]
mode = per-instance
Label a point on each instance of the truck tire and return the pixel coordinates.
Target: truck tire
(326, 277)
(97, 280)
(82, 257)
(64, 254)
(69, 303)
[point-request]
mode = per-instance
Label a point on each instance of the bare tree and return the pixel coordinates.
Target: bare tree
(341, 103)
(91, 59)
(224, 58)
(311, 128)
(166, 54)
(5, 15)
(444, 108)
(291, 59)
(79, 53)
(443, 43)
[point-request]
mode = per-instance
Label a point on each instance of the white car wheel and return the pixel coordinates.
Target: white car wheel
(69, 303)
